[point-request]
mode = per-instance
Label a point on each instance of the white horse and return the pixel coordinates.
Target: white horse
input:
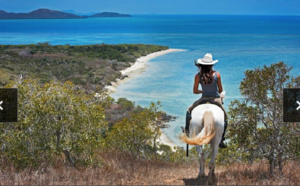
(206, 126)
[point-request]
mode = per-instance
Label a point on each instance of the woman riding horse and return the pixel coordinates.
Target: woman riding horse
(210, 81)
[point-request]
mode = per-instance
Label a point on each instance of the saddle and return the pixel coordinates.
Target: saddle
(211, 101)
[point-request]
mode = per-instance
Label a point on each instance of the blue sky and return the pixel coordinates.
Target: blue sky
(233, 7)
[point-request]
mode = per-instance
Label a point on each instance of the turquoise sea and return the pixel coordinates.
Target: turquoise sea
(238, 42)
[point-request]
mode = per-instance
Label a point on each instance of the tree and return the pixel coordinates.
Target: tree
(156, 123)
(53, 119)
(138, 134)
(256, 128)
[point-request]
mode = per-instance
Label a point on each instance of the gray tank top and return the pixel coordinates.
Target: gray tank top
(210, 90)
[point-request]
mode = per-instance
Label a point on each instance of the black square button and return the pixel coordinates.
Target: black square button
(8, 105)
(291, 105)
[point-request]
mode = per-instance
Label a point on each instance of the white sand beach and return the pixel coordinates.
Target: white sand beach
(135, 69)
(166, 141)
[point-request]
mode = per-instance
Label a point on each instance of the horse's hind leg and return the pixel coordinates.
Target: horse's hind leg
(201, 161)
(211, 174)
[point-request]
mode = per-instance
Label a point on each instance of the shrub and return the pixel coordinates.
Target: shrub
(53, 119)
(125, 104)
(138, 133)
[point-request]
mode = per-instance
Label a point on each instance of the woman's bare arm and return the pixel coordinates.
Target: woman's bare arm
(220, 87)
(196, 85)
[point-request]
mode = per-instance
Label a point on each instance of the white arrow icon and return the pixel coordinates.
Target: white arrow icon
(0, 104)
(299, 105)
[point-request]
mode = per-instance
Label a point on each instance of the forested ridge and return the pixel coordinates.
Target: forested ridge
(86, 65)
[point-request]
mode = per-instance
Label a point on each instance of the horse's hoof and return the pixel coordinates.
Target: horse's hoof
(212, 179)
(201, 176)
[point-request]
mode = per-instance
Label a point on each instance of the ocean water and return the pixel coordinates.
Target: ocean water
(238, 42)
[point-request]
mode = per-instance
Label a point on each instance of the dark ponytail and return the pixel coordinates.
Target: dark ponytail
(206, 74)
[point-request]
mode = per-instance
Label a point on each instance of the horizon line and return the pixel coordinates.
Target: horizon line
(153, 14)
(81, 13)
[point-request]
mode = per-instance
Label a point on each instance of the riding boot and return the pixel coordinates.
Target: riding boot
(222, 144)
(187, 122)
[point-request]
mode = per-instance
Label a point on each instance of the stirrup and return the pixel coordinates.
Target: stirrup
(222, 145)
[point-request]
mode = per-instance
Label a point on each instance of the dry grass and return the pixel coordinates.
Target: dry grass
(125, 170)
(258, 174)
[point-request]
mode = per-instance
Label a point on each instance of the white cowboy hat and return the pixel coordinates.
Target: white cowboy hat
(206, 60)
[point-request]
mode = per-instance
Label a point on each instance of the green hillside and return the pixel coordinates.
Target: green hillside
(86, 65)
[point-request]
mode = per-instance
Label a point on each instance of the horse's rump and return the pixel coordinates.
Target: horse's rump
(207, 133)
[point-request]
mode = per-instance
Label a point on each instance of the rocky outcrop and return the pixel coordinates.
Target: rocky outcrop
(25, 53)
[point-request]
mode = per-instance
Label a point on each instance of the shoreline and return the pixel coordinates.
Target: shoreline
(135, 69)
(165, 140)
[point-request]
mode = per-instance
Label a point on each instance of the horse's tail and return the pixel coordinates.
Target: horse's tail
(207, 133)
